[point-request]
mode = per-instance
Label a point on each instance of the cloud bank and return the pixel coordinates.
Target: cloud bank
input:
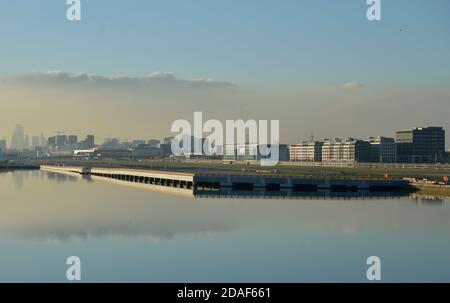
(156, 79)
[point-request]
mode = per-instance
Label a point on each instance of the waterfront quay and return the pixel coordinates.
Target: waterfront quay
(234, 183)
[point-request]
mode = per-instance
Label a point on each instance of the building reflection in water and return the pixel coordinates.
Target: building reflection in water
(428, 200)
(18, 178)
(93, 208)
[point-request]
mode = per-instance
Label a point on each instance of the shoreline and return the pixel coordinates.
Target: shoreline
(432, 189)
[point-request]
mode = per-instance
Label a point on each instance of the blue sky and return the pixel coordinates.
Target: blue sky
(287, 43)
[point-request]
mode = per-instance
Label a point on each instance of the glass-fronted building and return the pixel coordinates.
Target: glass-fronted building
(421, 145)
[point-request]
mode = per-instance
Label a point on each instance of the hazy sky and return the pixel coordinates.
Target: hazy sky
(130, 68)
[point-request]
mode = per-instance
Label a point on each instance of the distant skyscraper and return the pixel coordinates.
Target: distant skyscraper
(72, 140)
(35, 142)
(51, 141)
(3, 145)
(43, 141)
(18, 138)
(26, 142)
(88, 143)
(111, 144)
(61, 140)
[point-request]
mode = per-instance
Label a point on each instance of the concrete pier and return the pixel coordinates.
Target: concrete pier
(222, 183)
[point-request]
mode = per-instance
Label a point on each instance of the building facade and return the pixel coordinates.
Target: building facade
(348, 150)
(421, 145)
(35, 142)
(88, 143)
(306, 152)
(3, 145)
(252, 152)
(18, 138)
(241, 152)
(382, 150)
(154, 143)
(72, 140)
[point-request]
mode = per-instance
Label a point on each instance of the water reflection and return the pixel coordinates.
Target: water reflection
(431, 200)
(156, 237)
(61, 178)
(18, 179)
(82, 207)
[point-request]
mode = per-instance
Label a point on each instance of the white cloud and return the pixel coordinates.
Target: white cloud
(351, 85)
(151, 80)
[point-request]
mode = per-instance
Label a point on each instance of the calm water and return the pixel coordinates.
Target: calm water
(127, 234)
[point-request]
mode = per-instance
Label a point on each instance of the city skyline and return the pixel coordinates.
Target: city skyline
(102, 140)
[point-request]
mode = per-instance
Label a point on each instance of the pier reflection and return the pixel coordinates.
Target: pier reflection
(230, 193)
(55, 208)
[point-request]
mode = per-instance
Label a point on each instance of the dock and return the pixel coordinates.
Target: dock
(229, 184)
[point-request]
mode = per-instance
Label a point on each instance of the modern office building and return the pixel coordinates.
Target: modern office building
(35, 142)
(154, 142)
(88, 143)
(382, 150)
(241, 152)
(112, 144)
(265, 152)
(51, 141)
(166, 149)
(43, 141)
(3, 145)
(421, 145)
(283, 152)
(18, 138)
(146, 151)
(61, 140)
(72, 140)
(136, 143)
(306, 152)
(26, 142)
(348, 150)
(251, 152)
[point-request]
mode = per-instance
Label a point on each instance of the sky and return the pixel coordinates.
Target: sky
(128, 69)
